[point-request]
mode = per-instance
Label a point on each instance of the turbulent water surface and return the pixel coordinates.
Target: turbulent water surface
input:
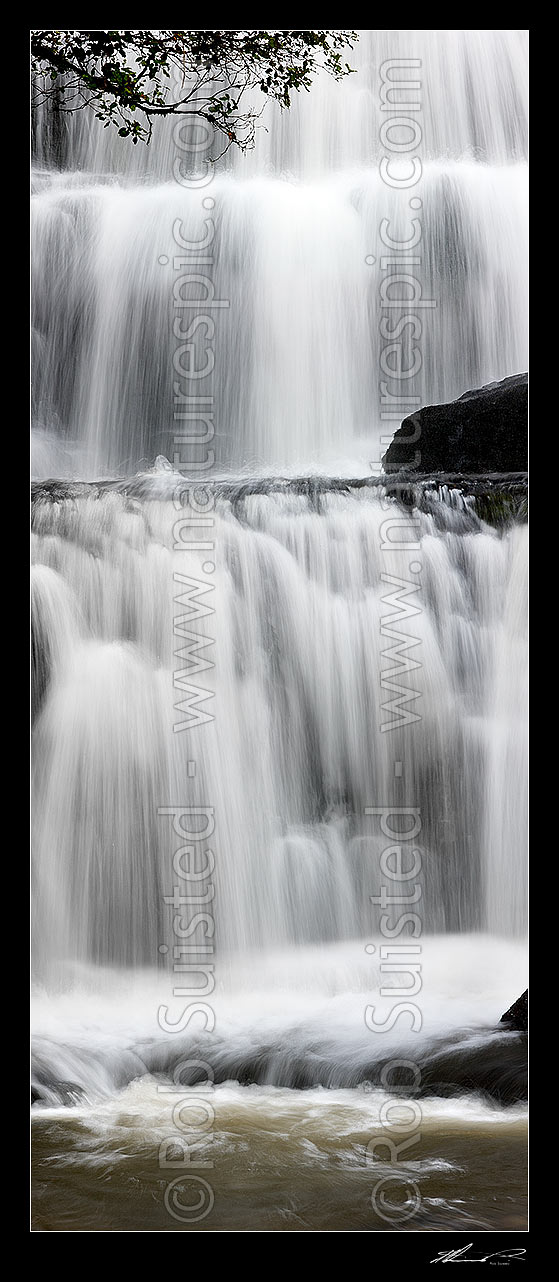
(260, 679)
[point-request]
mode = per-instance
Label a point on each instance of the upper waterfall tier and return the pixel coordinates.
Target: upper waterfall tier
(298, 341)
(473, 106)
(344, 301)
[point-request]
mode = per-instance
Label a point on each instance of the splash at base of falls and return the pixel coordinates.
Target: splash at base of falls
(290, 1018)
(283, 1158)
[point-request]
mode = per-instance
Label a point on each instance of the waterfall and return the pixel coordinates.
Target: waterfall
(273, 647)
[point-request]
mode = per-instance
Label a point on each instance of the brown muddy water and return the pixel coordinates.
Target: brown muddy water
(278, 1161)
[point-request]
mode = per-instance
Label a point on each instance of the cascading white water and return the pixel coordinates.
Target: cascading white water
(296, 752)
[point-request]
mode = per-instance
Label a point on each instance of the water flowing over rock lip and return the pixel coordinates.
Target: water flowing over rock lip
(469, 1062)
(170, 484)
(467, 502)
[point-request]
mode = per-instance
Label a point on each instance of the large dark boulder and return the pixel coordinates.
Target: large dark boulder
(516, 1017)
(484, 431)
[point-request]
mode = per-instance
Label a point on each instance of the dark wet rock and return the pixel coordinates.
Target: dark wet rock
(516, 1017)
(59, 491)
(495, 1070)
(484, 431)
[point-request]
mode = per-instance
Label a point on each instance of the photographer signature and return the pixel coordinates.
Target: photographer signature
(493, 1257)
